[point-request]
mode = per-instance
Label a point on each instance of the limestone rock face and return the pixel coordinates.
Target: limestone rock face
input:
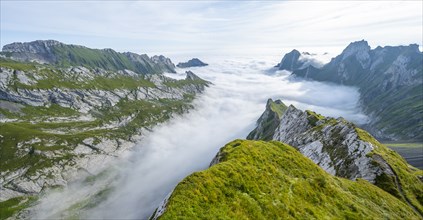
(333, 144)
(342, 149)
(88, 94)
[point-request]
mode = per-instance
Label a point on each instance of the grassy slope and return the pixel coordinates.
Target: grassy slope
(32, 124)
(73, 55)
(407, 176)
(271, 180)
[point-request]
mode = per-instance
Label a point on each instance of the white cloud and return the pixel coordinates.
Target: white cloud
(228, 110)
(214, 27)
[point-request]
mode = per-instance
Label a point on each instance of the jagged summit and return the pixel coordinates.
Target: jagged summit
(389, 79)
(57, 53)
(194, 62)
(290, 61)
(356, 46)
(268, 121)
(342, 149)
(38, 46)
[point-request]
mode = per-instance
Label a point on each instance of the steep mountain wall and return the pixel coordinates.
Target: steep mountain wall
(390, 81)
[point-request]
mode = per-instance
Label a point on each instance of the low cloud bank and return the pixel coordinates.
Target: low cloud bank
(226, 111)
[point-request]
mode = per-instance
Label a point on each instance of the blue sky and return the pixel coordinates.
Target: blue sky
(214, 27)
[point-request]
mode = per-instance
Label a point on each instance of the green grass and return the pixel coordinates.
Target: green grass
(70, 55)
(147, 114)
(313, 117)
(408, 145)
(17, 65)
(11, 206)
(278, 108)
(54, 77)
(271, 180)
(408, 176)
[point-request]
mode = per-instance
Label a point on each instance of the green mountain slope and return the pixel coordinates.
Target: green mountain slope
(57, 53)
(58, 123)
(344, 150)
(271, 180)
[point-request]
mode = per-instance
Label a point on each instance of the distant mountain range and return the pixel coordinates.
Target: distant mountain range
(389, 80)
(302, 165)
(60, 54)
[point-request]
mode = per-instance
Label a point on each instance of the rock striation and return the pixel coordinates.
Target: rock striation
(60, 123)
(342, 149)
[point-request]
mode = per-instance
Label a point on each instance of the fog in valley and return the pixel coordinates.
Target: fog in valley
(228, 109)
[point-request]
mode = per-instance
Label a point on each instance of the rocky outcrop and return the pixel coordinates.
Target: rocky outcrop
(272, 180)
(344, 150)
(333, 144)
(57, 53)
(295, 60)
(389, 80)
(268, 121)
(79, 120)
(81, 99)
(164, 63)
(290, 61)
(192, 63)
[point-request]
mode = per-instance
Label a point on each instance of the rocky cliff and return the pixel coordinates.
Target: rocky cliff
(344, 150)
(57, 53)
(60, 123)
(272, 180)
(389, 79)
(268, 121)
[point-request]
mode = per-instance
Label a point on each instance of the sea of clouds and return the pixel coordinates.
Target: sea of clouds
(227, 110)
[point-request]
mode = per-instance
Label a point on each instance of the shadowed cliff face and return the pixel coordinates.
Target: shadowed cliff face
(389, 80)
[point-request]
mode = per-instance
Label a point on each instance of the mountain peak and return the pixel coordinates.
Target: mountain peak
(359, 49)
(57, 53)
(355, 47)
(37, 46)
(268, 121)
(194, 62)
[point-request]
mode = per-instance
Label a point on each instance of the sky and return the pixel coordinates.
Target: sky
(213, 27)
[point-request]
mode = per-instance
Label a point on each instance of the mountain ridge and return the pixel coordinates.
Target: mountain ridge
(389, 80)
(342, 149)
(58, 53)
(271, 180)
(61, 123)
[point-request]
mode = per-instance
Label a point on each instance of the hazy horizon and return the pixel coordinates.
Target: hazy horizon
(187, 28)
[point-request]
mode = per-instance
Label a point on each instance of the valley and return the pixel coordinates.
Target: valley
(96, 145)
